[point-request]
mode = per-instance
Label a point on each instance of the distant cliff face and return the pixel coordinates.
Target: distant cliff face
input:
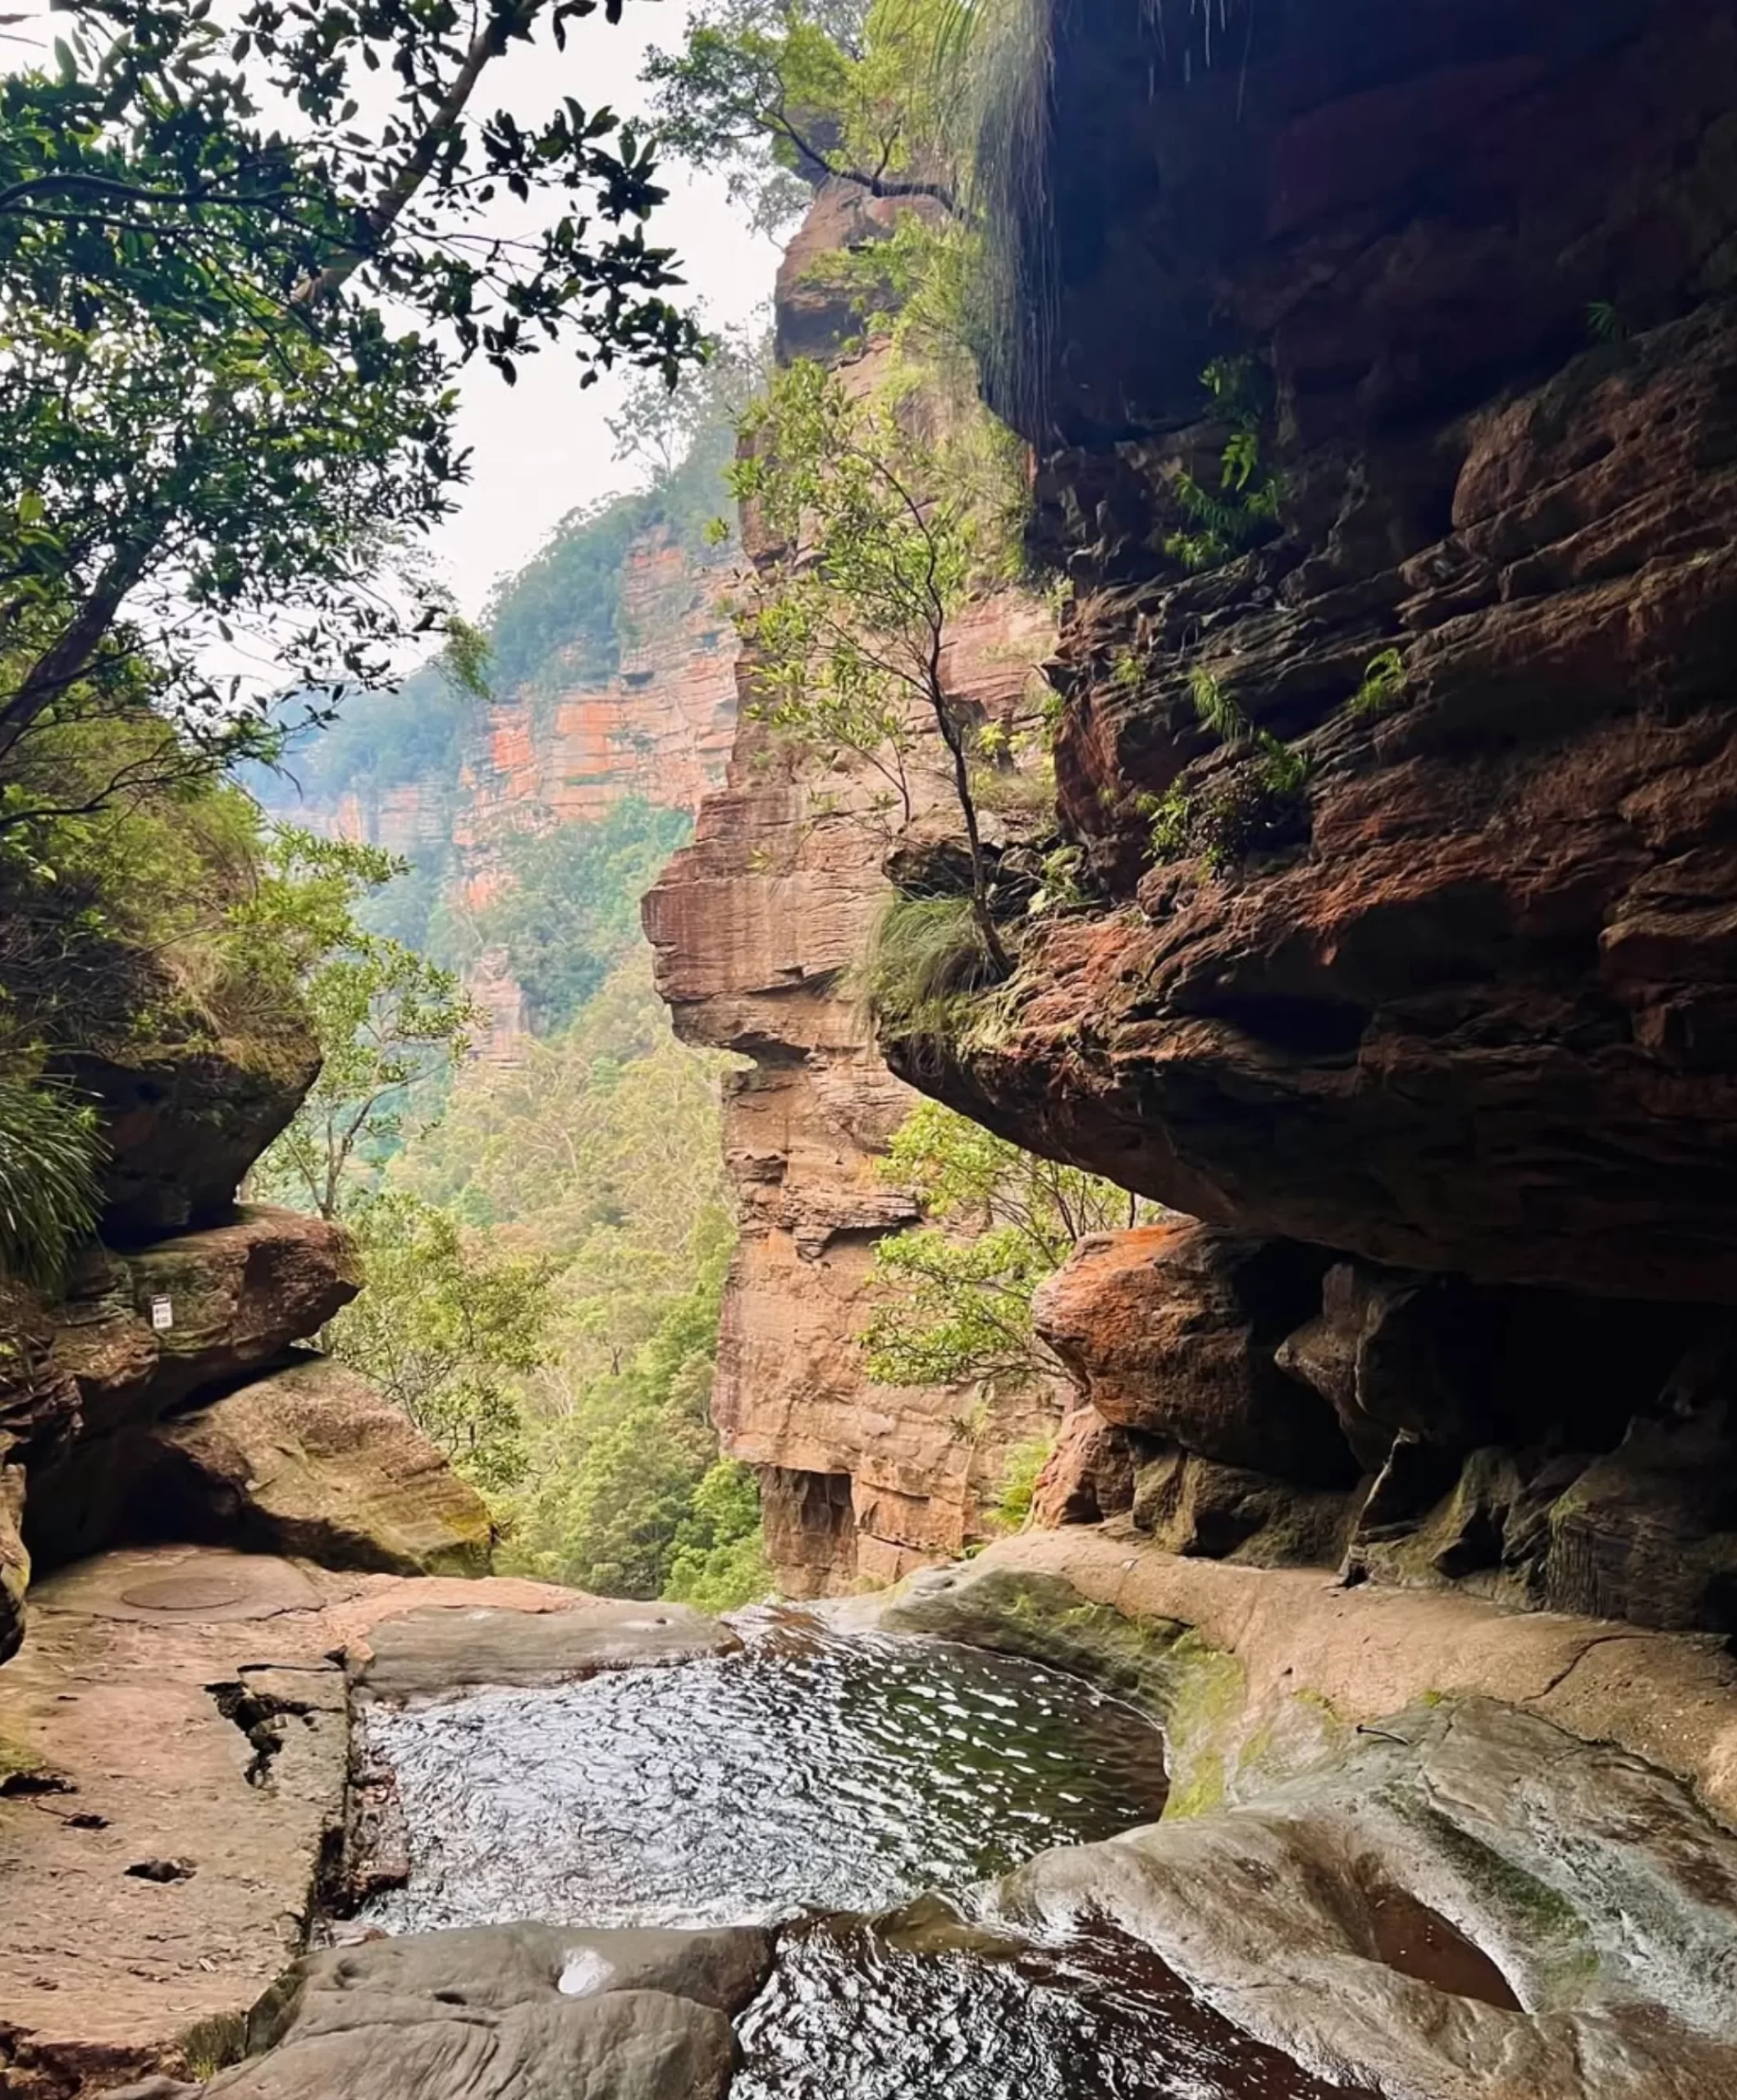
(646, 710)
(758, 927)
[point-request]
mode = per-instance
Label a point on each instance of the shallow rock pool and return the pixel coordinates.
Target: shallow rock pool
(807, 1780)
(805, 1773)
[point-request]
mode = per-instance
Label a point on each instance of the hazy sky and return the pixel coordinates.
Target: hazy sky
(543, 447)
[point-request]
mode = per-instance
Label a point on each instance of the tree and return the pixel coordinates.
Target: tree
(719, 1562)
(664, 428)
(389, 1023)
(884, 535)
(569, 907)
(231, 350)
(447, 1326)
(784, 92)
(955, 1304)
(614, 1476)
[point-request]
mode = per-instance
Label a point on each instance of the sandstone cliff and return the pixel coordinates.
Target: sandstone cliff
(626, 690)
(1448, 991)
(163, 1395)
(758, 929)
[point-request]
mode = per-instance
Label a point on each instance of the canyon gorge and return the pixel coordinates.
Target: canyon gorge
(1348, 1701)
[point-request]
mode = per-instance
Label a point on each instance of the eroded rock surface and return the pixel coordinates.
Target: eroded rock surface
(441, 1652)
(181, 1717)
(1171, 1330)
(162, 1400)
(1549, 1451)
(1474, 1012)
(233, 1297)
(502, 2012)
(1428, 1847)
(1468, 1903)
(182, 1135)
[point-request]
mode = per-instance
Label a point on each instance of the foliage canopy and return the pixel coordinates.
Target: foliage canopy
(954, 1294)
(232, 346)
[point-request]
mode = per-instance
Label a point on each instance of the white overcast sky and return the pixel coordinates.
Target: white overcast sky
(543, 447)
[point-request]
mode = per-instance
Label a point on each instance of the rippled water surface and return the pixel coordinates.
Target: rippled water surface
(809, 1775)
(807, 1772)
(851, 2015)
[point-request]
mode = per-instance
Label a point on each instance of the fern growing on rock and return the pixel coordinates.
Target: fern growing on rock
(50, 1154)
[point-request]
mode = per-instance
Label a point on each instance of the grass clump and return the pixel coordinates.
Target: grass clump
(1024, 1468)
(927, 963)
(215, 2043)
(50, 1152)
(1383, 684)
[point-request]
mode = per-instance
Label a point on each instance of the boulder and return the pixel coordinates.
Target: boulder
(183, 1132)
(104, 1367)
(313, 1461)
(233, 1296)
(1090, 1475)
(1171, 1330)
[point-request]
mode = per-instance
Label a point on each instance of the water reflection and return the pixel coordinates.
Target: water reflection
(807, 1773)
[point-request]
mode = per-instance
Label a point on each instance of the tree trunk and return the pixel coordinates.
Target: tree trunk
(993, 945)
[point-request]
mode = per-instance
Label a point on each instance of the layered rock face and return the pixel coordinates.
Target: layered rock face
(164, 1397)
(758, 928)
(1448, 992)
(657, 727)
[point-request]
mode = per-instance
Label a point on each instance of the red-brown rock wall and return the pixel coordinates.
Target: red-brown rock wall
(759, 928)
(1468, 1001)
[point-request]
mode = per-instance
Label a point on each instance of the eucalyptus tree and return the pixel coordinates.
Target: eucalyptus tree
(884, 535)
(784, 92)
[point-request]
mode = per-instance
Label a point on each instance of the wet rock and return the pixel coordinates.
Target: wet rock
(1172, 1330)
(1039, 1616)
(313, 1460)
(432, 1654)
(506, 2012)
(183, 1706)
(1467, 1904)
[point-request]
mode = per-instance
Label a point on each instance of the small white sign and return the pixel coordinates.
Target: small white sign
(162, 1314)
